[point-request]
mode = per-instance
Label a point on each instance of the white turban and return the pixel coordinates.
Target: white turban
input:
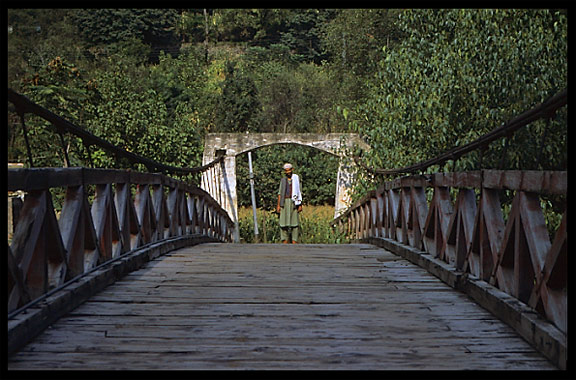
(287, 166)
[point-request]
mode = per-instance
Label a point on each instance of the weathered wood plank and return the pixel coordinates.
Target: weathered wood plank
(263, 357)
(219, 306)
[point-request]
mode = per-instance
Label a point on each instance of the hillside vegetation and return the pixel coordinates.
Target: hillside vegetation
(413, 83)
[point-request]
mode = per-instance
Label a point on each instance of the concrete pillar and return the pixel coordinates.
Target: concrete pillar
(228, 183)
(343, 197)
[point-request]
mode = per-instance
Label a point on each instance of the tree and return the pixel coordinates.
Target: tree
(354, 39)
(457, 75)
(36, 37)
(154, 27)
(191, 25)
(297, 98)
(317, 169)
(61, 86)
(280, 99)
(303, 33)
(353, 42)
(238, 104)
(261, 27)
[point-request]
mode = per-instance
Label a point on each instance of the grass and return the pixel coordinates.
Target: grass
(315, 226)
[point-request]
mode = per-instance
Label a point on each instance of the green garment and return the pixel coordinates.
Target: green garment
(289, 216)
(289, 234)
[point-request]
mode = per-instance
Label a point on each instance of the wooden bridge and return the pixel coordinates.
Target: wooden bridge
(137, 271)
(240, 306)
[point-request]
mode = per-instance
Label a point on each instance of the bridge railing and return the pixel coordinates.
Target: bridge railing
(101, 215)
(486, 223)
(105, 214)
(460, 219)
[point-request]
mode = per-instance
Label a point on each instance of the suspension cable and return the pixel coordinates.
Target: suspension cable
(547, 109)
(25, 105)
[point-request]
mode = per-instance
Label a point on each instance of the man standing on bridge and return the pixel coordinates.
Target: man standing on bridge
(289, 206)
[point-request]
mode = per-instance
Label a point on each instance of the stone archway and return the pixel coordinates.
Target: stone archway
(221, 183)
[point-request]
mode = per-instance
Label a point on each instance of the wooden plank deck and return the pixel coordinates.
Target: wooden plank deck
(233, 306)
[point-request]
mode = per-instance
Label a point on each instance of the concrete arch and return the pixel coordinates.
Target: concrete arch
(221, 183)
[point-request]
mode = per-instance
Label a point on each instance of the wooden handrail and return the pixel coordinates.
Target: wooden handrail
(467, 229)
(100, 220)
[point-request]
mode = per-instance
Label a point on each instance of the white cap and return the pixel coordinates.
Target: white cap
(287, 166)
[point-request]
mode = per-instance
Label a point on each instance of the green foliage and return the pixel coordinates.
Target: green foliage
(354, 39)
(108, 26)
(268, 227)
(192, 25)
(238, 105)
(413, 83)
(299, 98)
(180, 80)
(256, 25)
(316, 226)
(298, 29)
(36, 37)
(118, 104)
(317, 171)
(58, 85)
(134, 116)
(303, 33)
(125, 109)
(457, 75)
(279, 54)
